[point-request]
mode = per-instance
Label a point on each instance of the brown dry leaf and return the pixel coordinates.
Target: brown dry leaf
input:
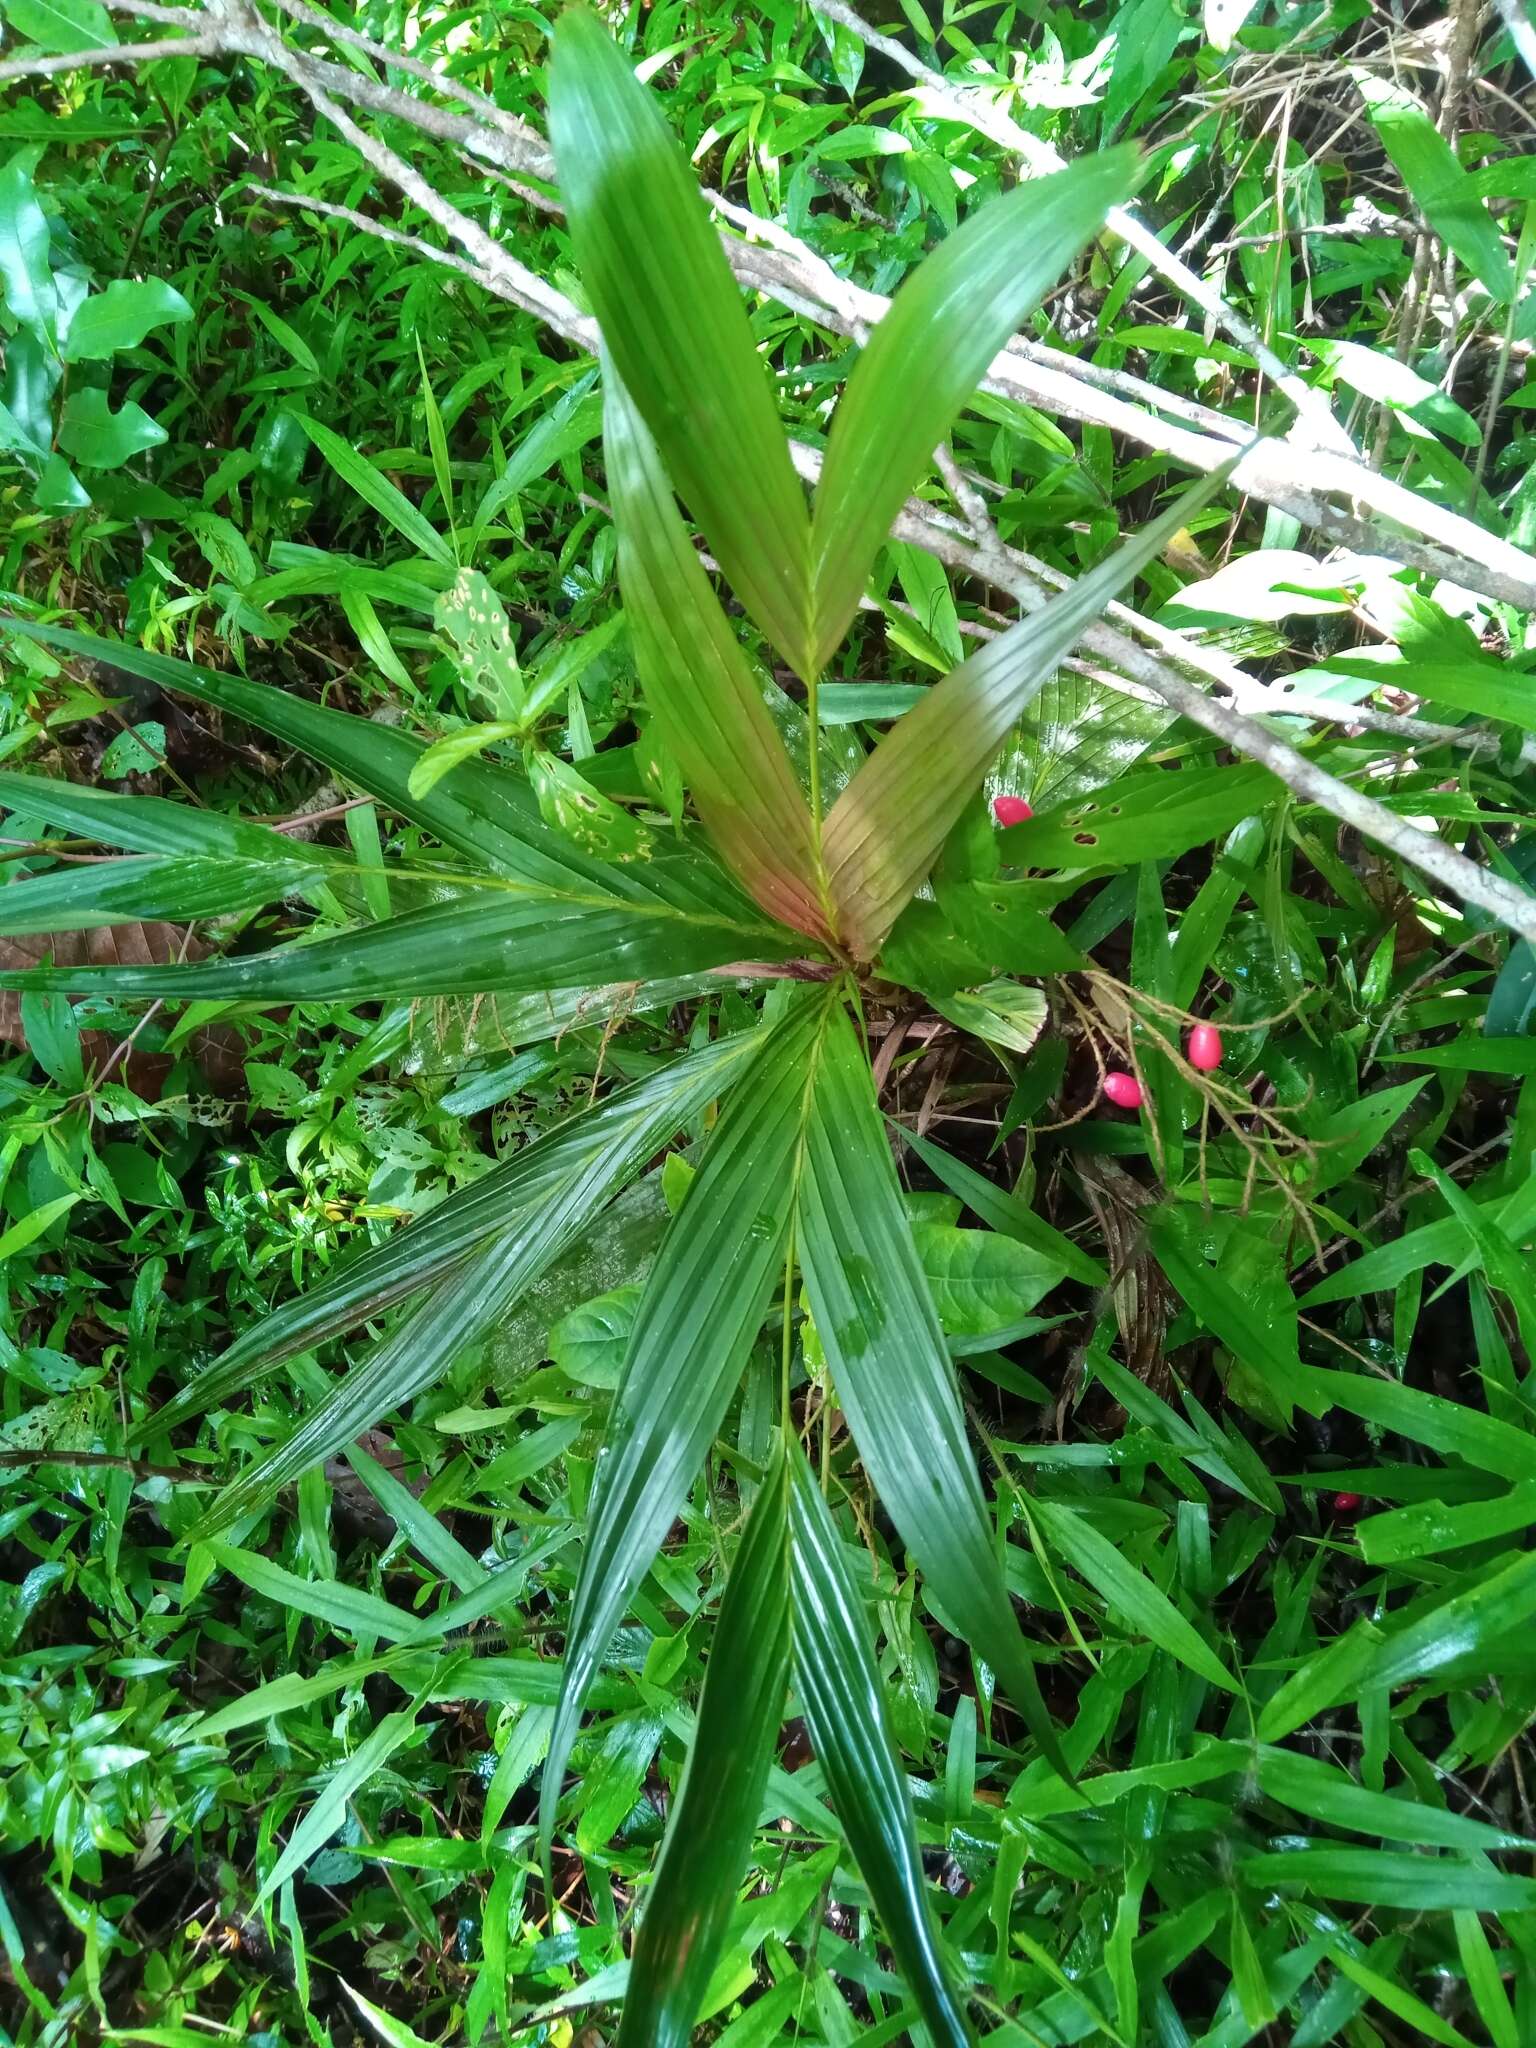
(122, 945)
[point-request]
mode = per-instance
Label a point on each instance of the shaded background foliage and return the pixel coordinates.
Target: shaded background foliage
(1317, 1858)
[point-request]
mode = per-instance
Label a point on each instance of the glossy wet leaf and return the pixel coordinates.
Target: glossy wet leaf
(719, 1800)
(927, 356)
(876, 1321)
(887, 827)
(703, 1305)
(673, 321)
(487, 940)
(842, 1696)
(702, 688)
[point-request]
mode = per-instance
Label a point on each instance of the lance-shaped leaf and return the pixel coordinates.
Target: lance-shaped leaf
(149, 824)
(459, 1311)
(129, 891)
(498, 938)
(887, 827)
(541, 1199)
(701, 686)
(843, 1697)
(482, 811)
(672, 319)
(702, 1307)
(721, 1795)
(928, 355)
(891, 1368)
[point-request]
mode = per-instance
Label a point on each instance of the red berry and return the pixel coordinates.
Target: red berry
(1205, 1047)
(1010, 810)
(1348, 1503)
(1123, 1090)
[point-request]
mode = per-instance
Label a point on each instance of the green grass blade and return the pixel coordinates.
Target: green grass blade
(928, 355)
(721, 1795)
(488, 941)
(702, 1307)
(891, 1368)
(672, 318)
(885, 830)
(1130, 1593)
(701, 685)
(842, 1694)
(376, 490)
(543, 1197)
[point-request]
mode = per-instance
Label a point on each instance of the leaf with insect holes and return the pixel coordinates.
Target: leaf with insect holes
(474, 618)
(596, 824)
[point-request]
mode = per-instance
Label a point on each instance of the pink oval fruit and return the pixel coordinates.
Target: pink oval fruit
(1010, 810)
(1348, 1503)
(1123, 1090)
(1205, 1049)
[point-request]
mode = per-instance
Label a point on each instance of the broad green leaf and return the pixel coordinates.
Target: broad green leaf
(121, 316)
(589, 1344)
(701, 686)
(684, 1921)
(475, 620)
(1003, 1013)
(702, 1308)
(673, 322)
(65, 25)
(376, 490)
(454, 747)
(497, 938)
(926, 357)
(885, 1348)
(25, 270)
(886, 829)
(593, 821)
(981, 1281)
(1005, 1212)
(1154, 815)
(102, 439)
(543, 1197)
(842, 1694)
(1077, 737)
(1484, 688)
(1437, 184)
(1131, 1594)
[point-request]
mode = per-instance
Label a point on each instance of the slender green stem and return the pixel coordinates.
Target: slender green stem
(786, 1348)
(813, 720)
